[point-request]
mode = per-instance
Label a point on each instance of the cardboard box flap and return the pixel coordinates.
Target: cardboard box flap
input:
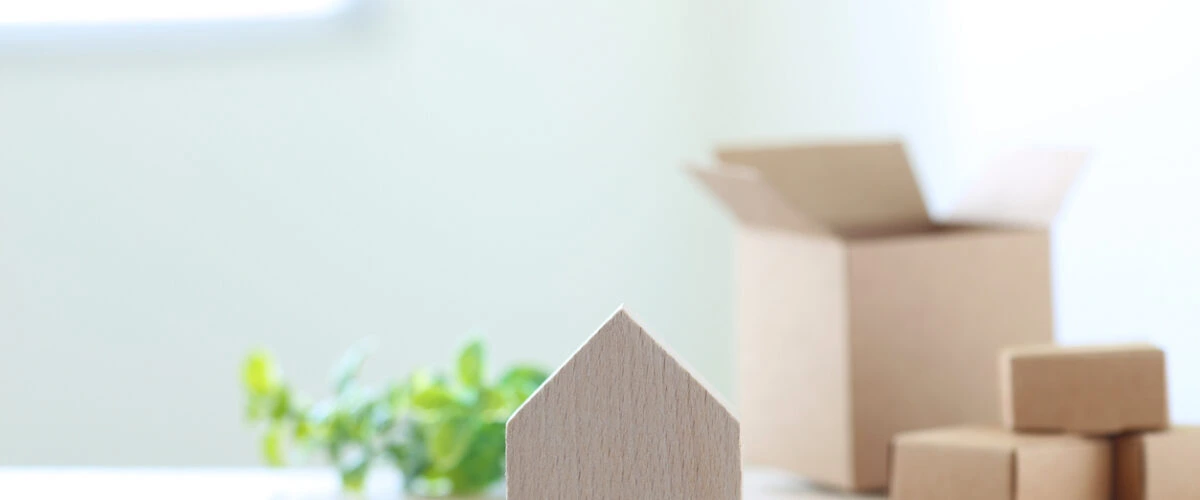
(1024, 189)
(752, 200)
(850, 189)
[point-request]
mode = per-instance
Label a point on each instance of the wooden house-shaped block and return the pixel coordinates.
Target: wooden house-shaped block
(622, 419)
(859, 316)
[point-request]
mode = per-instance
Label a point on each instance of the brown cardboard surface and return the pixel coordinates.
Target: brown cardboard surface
(1130, 471)
(875, 318)
(924, 472)
(1062, 472)
(1092, 390)
(928, 315)
(984, 463)
(794, 392)
(752, 200)
(1159, 465)
(853, 188)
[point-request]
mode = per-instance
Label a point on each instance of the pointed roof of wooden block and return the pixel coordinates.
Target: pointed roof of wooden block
(623, 419)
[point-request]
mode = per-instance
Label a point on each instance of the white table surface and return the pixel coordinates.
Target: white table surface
(35, 483)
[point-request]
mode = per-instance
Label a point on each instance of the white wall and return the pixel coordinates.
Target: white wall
(171, 197)
(963, 80)
(1121, 78)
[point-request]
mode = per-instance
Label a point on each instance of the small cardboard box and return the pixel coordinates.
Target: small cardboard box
(993, 464)
(1159, 465)
(870, 317)
(1090, 390)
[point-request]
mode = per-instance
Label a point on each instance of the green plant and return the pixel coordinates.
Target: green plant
(445, 431)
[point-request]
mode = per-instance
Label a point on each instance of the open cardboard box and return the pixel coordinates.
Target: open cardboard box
(875, 318)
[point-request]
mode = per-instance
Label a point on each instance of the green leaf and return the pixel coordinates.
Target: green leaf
(421, 379)
(470, 365)
(445, 434)
(434, 398)
(397, 452)
(399, 397)
(483, 464)
(522, 381)
(260, 373)
(449, 440)
(273, 446)
(303, 431)
(524, 374)
(282, 404)
(495, 403)
(408, 450)
(341, 426)
(255, 408)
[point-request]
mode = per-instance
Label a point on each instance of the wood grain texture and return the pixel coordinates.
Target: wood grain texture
(623, 420)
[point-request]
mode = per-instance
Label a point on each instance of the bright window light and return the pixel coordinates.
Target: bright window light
(32, 12)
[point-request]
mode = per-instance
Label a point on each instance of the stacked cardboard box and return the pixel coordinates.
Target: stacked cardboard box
(1082, 423)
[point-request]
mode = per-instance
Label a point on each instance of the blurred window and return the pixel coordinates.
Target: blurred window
(33, 12)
